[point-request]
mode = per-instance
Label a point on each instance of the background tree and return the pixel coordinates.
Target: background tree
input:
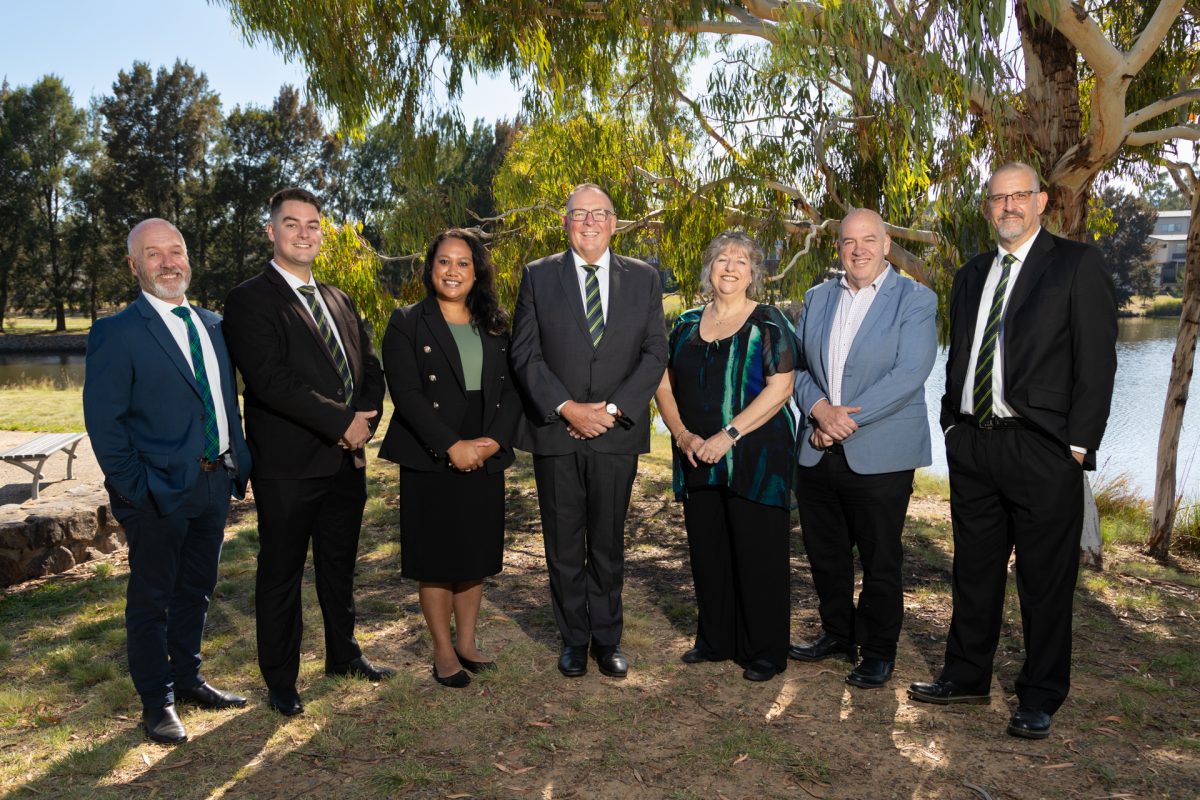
(1127, 246)
(16, 207)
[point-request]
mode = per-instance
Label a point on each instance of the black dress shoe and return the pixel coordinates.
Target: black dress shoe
(698, 656)
(459, 680)
(1029, 723)
(163, 725)
(475, 666)
(945, 693)
(285, 701)
(760, 670)
(611, 660)
(822, 648)
(871, 673)
(207, 696)
(361, 668)
(572, 662)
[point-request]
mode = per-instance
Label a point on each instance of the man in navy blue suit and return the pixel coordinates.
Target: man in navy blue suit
(160, 405)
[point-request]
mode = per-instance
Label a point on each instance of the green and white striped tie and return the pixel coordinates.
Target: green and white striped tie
(331, 342)
(987, 350)
(595, 311)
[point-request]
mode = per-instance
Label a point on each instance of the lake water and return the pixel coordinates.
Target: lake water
(1143, 365)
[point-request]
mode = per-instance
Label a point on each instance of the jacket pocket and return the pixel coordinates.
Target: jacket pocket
(1052, 399)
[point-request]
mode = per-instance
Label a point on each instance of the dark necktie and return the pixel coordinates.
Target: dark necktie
(595, 311)
(987, 350)
(212, 438)
(331, 342)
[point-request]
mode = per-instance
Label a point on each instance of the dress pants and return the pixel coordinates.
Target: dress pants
(291, 512)
(740, 568)
(172, 572)
(839, 510)
(1013, 488)
(583, 498)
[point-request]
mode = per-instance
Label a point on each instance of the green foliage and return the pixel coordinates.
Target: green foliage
(1124, 239)
(348, 262)
(1165, 307)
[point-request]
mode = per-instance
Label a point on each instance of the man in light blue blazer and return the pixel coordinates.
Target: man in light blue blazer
(867, 344)
(160, 406)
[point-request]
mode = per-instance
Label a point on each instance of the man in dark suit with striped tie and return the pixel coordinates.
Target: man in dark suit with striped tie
(1029, 379)
(160, 405)
(588, 350)
(313, 393)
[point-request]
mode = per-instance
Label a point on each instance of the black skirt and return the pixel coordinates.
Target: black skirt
(452, 523)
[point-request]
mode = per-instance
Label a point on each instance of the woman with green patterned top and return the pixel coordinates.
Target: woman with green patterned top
(725, 399)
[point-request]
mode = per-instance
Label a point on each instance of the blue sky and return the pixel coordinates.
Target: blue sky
(87, 42)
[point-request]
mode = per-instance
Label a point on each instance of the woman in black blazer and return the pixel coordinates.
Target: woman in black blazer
(446, 362)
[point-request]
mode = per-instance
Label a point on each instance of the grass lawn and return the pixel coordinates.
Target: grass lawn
(25, 325)
(69, 715)
(41, 408)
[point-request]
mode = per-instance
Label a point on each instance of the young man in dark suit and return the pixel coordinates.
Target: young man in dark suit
(1029, 380)
(313, 393)
(160, 405)
(588, 350)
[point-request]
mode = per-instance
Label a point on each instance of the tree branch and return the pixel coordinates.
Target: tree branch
(1152, 35)
(1161, 107)
(1189, 132)
(1072, 21)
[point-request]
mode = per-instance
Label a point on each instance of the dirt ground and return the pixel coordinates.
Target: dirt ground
(672, 731)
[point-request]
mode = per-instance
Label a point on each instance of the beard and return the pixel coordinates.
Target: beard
(163, 291)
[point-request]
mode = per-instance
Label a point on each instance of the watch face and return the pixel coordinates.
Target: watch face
(611, 408)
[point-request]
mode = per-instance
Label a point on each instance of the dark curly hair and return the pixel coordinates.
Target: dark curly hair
(482, 302)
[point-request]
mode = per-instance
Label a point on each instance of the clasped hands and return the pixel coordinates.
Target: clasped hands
(586, 420)
(834, 423)
(468, 455)
(359, 432)
(695, 448)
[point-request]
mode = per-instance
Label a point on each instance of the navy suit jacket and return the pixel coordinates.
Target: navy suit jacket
(143, 410)
(553, 359)
(885, 374)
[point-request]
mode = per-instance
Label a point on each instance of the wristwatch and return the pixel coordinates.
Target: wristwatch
(611, 408)
(733, 433)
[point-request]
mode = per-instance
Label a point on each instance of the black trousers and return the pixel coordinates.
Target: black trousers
(740, 568)
(583, 498)
(840, 510)
(172, 573)
(1009, 489)
(328, 511)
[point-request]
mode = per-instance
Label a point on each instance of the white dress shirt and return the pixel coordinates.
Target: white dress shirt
(853, 305)
(601, 278)
(296, 283)
(212, 368)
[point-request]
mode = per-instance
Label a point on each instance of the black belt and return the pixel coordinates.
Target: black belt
(994, 423)
(212, 466)
(835, 448)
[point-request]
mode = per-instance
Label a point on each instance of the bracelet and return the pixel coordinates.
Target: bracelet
(678, 443)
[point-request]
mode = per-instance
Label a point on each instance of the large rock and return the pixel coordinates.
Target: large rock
(61, 535)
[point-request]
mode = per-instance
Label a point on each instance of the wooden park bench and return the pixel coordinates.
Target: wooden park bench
(39, 450)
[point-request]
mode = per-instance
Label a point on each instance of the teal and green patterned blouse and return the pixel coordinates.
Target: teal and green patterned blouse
(714, 381)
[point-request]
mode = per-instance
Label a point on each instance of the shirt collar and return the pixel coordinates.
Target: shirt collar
(162, 306)
(602, 262)
(291, 279)
(875, 284)
(1022, 252)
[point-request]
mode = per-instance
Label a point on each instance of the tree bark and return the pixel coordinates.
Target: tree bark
(1162, 521)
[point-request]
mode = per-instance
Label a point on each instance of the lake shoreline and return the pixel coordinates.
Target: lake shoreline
(41, 343)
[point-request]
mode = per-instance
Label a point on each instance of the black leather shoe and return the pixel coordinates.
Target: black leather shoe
(475, 666)
(697, 656)
(871, 673)
(760, 671)
(207, 696)
(611, 660)
(361, 668)
(572, 662)
(825, 647)
(1029, 723)
(945, 693)
(285, 701)
(163, 725)
(459, 680)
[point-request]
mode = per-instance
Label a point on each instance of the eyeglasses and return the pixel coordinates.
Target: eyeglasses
(597, 214)
(1016, 197)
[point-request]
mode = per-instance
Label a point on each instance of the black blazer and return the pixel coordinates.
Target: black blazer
(553, 359)
(295, 404)
(1060, 333)
(425, 379)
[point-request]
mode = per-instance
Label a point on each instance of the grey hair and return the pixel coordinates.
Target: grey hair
(1016, 166)
(726, 241)
(136, 229)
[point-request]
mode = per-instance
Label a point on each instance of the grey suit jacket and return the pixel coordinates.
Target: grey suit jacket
(553, 359)
(885, 374)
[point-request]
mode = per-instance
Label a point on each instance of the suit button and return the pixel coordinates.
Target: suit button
(435, 404)
(497, 405)
(433, 378)
(501, 377)
(427, 349)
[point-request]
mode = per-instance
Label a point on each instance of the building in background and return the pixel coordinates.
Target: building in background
(1170, 245)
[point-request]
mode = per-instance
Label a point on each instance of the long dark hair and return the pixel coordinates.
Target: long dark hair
(482, 301)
